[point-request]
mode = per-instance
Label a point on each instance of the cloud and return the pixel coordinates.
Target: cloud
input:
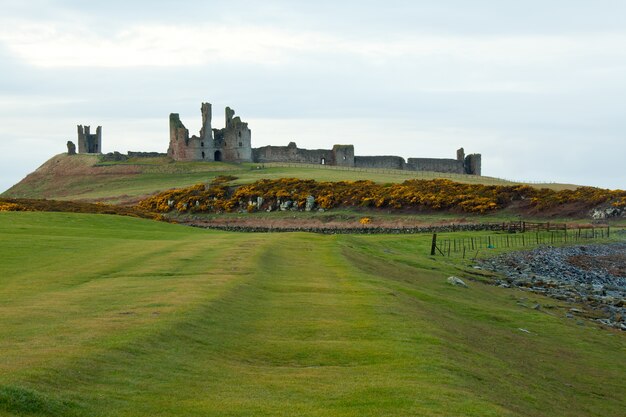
(502, 79)
(49, 45)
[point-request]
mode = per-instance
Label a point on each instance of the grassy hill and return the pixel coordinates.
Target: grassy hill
(116, 316)
(83, 177)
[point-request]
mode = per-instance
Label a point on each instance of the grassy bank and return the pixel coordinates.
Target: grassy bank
(83, 177)
(112, 316)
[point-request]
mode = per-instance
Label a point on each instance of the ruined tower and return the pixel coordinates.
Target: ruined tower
(87, 142)
(233, 143)
(473, 164)
(343, 155)
(235, 139)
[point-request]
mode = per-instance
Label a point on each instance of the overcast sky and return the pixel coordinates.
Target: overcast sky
(537, 87)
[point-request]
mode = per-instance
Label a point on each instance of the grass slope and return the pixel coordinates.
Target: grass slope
(111, 316)
(81, 177)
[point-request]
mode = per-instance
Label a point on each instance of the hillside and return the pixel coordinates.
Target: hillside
(116, 316)
(83, 177)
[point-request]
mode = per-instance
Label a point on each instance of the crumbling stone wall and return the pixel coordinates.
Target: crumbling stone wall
(232, 144)
(88, 142)
(71, 148)
(381, 162)
(182, 147)
(453, 166)
(460, 155)
(473, 164)
(291, 153)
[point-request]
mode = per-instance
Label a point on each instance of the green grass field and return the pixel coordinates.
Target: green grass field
(112, 316)
(81, 177)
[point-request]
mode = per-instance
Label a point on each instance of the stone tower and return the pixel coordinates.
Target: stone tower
(233, 143)
(87, 142)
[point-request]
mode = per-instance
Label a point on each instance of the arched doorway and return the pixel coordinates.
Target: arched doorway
(203, 155)
(323, 161)
(218, 155)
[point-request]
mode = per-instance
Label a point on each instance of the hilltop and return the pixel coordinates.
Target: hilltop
(85, 177)
(90, 178)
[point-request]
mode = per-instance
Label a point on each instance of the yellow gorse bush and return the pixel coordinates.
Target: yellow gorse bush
(5, 206)
(437, 194)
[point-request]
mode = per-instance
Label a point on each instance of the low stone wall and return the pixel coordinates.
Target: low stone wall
(435, 165)
(292, 154)
(363, 230)
(385, 162)
(132, 154)
(120, 157)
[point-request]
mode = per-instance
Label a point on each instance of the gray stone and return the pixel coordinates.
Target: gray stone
(71, 148)
(456, 281)
(310, 203)
(606, 213)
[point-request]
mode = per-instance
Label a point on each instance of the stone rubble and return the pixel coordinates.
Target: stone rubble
(549, 271)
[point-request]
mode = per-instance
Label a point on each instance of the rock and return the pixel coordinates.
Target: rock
(310, 203)
(605, 213)
(559, 273)
(523, 330)
(259, 202)
(284, 206)
(456, 281)
(71, 148)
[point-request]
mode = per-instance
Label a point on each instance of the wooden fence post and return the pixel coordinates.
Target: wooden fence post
(434, 245)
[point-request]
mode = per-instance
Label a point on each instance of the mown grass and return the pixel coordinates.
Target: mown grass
(111, 316)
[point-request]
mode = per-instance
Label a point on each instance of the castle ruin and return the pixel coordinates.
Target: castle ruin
(88, 142)
(233, 143)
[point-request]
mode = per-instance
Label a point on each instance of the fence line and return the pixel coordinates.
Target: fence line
(470, 245)
(408, 173)
(414, 174)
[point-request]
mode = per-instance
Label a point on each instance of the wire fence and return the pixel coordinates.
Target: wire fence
(389, 171)
(408, 173)
(471, 246)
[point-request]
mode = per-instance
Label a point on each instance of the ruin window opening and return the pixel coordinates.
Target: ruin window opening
(240, 144)
(239, 134)
(218, 156)
(203, 155)
(202, 144)
(323, 161)
(344, 158)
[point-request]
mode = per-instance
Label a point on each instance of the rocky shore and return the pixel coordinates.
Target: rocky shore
(593, 275)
